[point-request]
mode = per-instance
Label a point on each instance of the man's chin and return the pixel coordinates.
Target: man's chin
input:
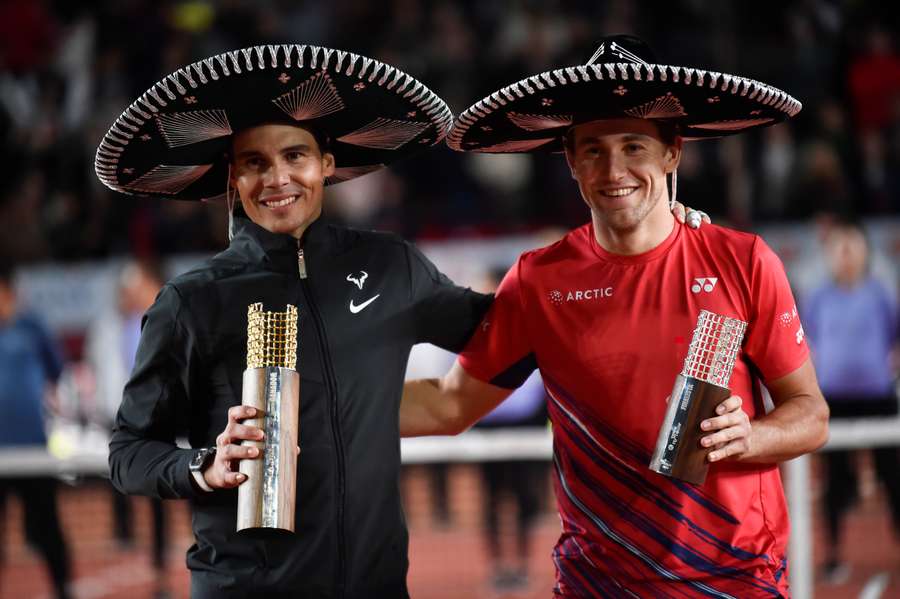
(621, 221)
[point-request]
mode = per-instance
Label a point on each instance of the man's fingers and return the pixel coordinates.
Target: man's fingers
(233, 479)
(244, 431)
(236, 413)
(678, 211)
(239, 452)
(729, 419)
(730, 449)
(731, 404)
(723, 436)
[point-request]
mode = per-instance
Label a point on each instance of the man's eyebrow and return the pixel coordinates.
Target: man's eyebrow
(636, 137)
(297, 148)
(246, 154)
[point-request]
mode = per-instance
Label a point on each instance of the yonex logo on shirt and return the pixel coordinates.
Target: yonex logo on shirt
(557, 297)
(706, 284)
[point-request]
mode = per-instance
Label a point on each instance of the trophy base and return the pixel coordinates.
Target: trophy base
(678, 452)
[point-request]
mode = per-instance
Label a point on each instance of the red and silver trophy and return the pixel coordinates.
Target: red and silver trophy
(699, 389)
(272, 386)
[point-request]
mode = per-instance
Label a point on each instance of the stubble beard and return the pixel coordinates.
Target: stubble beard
(626, 220)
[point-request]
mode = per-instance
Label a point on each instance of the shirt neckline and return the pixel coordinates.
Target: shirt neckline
(657, 252)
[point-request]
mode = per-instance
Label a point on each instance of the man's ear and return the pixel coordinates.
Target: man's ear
(328, 164)
(673, 155)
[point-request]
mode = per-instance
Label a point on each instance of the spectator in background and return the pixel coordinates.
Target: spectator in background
(851, 322)
(521, 482)
(819, 183)
(873, 83)
(111, 345)
(873, 80)
(30, 365)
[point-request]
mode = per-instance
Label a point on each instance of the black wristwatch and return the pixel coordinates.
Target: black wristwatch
(202, 459)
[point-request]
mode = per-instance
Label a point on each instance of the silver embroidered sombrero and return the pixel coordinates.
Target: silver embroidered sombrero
(621, 80)
(171, 142)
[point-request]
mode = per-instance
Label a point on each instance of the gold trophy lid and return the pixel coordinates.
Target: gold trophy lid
(271, 337)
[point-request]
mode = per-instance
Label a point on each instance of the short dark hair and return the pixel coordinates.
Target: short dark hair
(668, 133)
(849, 221)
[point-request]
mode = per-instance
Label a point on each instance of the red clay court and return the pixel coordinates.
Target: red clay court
(445, 562)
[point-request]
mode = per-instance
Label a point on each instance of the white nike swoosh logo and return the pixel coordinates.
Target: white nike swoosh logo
(357, 309)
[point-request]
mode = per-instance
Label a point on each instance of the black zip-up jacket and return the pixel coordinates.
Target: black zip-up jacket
(351, 537)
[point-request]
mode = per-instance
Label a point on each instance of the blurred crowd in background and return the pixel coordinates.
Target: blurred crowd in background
(69, 67)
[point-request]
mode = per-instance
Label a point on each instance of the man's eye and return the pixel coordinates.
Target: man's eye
(253, 163)
(294, 156)
(634, 147)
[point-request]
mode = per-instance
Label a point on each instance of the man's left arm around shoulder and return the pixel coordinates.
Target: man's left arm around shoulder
(448, 405)
(797, 425)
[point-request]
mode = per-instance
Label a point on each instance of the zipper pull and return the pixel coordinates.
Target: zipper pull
(301, 263)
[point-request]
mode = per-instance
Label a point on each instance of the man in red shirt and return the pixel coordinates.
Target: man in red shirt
(606, 314)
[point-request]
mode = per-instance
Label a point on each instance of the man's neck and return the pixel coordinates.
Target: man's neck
(298, 233)
(651, 232)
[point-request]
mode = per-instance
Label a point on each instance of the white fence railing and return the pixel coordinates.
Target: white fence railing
(88, 457)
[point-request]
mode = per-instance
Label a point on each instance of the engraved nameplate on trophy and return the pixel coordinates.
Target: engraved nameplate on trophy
(698, 390)
(271, 384)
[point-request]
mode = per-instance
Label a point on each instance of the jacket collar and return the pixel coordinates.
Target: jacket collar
(276, 249)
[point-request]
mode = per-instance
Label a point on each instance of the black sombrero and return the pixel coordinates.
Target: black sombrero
(171, 142)
(620, 80)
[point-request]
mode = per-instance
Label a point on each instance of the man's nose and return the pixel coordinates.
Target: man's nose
(277, 175)
(613, 166)
(608, 167)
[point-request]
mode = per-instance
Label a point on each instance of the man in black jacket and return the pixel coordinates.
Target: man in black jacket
(278, 123)
(273, 121)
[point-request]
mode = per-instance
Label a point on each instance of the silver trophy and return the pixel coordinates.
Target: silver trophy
(701, 386)
(272, 386)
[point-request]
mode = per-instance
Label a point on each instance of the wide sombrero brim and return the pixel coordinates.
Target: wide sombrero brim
(532, 115)
(172, 141)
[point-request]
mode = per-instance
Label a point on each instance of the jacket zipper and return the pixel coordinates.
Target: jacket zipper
(335, 421)
(301, 263)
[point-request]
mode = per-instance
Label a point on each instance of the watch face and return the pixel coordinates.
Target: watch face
(200, 458)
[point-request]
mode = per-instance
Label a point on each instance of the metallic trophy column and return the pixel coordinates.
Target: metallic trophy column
(272, 386)
(701, 386)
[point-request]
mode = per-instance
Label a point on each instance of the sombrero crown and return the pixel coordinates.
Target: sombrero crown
(621, 80)
(172, 141)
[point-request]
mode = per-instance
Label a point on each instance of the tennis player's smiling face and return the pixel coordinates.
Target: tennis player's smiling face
(279, 173)
(620, 166)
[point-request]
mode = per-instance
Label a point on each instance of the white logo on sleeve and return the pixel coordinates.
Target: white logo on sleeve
(706, 284)
(360, 280)
(799, 335)
(357, 309)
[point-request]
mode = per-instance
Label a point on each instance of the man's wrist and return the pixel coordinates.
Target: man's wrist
(198, 465)
(201, 482)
